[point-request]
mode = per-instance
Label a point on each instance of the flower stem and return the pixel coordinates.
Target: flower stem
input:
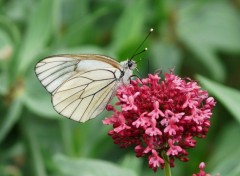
(167, 169)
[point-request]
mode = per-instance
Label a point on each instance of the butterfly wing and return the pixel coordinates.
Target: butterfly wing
(86, 94)
(81, 85)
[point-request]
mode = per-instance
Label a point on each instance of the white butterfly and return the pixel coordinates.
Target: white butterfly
(82, 85)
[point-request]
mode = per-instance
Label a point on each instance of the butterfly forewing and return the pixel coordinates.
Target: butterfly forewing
(81, 85)
(52, 72)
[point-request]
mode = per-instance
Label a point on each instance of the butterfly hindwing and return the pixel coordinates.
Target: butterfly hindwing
(86, 94)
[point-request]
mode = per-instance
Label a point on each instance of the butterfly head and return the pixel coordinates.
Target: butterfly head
(129, 64)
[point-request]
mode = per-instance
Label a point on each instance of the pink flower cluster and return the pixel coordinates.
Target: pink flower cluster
(160, 117)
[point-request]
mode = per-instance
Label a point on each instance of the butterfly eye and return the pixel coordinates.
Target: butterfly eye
(130, 64)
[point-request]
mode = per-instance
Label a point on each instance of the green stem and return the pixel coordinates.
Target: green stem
(167, 169)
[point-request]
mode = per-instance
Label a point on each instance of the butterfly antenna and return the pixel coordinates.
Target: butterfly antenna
(135, 52)
(145, 49)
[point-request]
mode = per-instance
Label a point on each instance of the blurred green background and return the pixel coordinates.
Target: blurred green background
(201, 38)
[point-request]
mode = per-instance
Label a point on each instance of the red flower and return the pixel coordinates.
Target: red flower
(173, 150)
(160, 116)
(201, 172)
(155, 160)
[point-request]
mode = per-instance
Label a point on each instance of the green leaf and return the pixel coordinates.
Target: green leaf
(74, 9)
(207, 27)
(226, 152)
(89, 167)
(82, 49)
(18, 11)
(79, 33)
(98, 143)
(133, 163)
(34, 150)
(130, 25)
(13, 114)
(165, 56)
(39, 31)
(9, 39)
(4, 44)
(229, 97)
(10, 29)
(3, 85)
(66, 137)
(210, 61)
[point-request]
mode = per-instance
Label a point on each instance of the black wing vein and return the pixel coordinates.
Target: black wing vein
(94, 96)
(103, 98)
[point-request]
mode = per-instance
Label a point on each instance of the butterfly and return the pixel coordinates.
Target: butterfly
(81, 85)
